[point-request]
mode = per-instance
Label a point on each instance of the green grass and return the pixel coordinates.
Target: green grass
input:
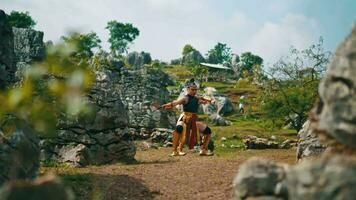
(178, 72)
(240, 129)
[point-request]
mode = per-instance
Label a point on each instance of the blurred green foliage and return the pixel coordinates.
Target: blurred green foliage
(47, 90)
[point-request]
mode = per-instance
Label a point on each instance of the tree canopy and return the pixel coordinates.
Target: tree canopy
(21, 20)
(85, 43)
(187, 49)
(219, 54)
(293, 87)
(120, 36)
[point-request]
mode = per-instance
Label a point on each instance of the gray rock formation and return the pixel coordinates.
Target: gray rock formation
(99, 138)
(161, 135)
(327, 179)
(336, 114)
(7, 69)
(308, 143)
(28, 45)
(138, 90)
(253, 142)
(47, 187)
(138, 60)
(193, 57)
(18, 48)
(19, 152)
(217, 120)
(260, 179)
(222, 104)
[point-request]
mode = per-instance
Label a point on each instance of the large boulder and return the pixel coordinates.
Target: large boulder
(19, 151)
(308, 143)
(259, 178)
(335, 115)
(138, 60)
(328, 179)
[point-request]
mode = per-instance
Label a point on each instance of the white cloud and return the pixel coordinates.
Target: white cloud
(167, 25)
(273, 40)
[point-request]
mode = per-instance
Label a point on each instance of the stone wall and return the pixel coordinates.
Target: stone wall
(98, 138)
(138, 90)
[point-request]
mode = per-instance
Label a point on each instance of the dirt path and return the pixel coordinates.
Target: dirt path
(158, 176)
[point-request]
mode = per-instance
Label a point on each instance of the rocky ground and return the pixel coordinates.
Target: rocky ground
(156, 175)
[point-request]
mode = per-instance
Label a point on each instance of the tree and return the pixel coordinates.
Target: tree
(121, 35)
(21, 20)
(293, 85)
(249, 61)
(219, 54)
(85, 43)
(187, 49)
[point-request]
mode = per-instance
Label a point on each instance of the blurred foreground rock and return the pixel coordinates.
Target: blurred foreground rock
(46, 187)
(19, 152)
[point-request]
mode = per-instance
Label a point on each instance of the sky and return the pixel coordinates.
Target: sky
(267, 28)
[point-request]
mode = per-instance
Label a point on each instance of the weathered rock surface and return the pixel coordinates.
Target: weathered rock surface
(308, 143)
(138, 60)
(331, 178)
(18, 48)
(260, 179)
(253, 142)
(7, 69)
(19, 152)
(99, 138)
(138, 90)
(47, 187)
(217, 120)
(336, 113)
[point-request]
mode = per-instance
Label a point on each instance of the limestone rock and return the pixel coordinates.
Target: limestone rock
(327, 179)
(259, 178)
(98, 138)
(6, 52)
(138, 60)
(217, 120)
(28, 45)
(308, 143)
(336, 114)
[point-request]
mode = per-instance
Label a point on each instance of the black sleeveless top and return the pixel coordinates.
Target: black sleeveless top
(192, 105)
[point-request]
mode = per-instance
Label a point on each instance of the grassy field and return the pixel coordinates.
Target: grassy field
(242, 125)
